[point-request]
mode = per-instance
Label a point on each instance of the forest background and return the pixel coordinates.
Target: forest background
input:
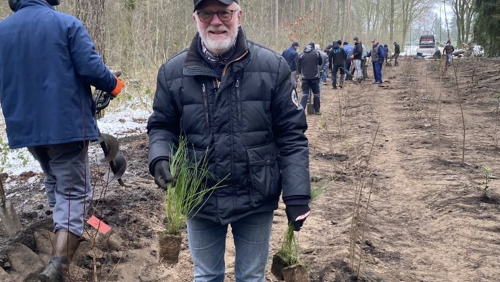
(137, 36)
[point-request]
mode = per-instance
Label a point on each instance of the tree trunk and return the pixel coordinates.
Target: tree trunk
(391, 32)
(348, 19)
(91, 13)
(276, 20)
(126, 41)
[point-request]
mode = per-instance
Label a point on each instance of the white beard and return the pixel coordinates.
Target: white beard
(219, 46)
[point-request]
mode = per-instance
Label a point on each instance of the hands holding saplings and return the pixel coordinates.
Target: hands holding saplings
(162, 173)
(297, 215)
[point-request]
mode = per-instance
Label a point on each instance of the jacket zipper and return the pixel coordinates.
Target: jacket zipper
(237, 59)
(238, 99)
(205, 104)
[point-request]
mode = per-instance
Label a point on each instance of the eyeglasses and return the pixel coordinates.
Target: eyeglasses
(207, 16)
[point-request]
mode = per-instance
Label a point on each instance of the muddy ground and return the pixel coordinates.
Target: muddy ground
(392, 153)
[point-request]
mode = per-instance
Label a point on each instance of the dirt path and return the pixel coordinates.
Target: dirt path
(428, 218)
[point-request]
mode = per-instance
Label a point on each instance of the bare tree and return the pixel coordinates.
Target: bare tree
(91, 13)
(411, 10)
(391, 32)
(464, 12)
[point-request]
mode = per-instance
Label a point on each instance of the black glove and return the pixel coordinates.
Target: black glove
(297, 215)
(162, 174)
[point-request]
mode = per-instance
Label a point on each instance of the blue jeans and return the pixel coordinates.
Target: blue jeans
(207, 244)
(448, 58)
(67, 183)
(323, 77)
(377, 71)
(357, 66)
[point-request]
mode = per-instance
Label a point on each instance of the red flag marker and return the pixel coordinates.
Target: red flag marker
(98, 224)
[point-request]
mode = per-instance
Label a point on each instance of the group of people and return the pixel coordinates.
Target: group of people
(341, 58)
(225, 95)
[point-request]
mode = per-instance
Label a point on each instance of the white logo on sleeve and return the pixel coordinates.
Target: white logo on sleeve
(295, 98)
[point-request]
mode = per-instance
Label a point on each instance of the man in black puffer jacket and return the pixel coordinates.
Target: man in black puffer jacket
(307, 68)
(337, 58)
(235, 98)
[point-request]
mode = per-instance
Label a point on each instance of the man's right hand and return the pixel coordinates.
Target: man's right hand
(162, 174)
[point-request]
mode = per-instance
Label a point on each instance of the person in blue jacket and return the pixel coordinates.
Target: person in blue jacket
(377, 54)
(47, 65)
(349, 50)
(292, 57)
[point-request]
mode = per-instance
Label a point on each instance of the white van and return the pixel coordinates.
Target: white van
(427, 46)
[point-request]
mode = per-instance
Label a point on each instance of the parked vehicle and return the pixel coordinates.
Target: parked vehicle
(427, 46)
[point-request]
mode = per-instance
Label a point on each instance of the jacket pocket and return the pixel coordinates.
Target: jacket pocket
(264, 173)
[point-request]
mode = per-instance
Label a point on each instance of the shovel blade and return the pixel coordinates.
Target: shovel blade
(110, 147)
(118, 168)
(9, 218)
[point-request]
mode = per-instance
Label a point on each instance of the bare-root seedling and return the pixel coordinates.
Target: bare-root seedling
(361, 203)
(456, 66)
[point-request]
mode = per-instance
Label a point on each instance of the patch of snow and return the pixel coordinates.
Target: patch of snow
(122, 122)
(32, 180)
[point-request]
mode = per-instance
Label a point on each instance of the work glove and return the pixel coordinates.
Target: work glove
(161, 173)
(118, 88)
(297, 215)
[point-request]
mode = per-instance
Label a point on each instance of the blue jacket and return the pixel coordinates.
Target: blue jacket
(291, 56)
(349, 49)
(47, 64)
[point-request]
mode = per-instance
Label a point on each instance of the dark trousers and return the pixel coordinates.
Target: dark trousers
(377, 71)
(67, 183)
(334, 75)
(364, 68)
(308, 85)
(348, 70)
(396, 59)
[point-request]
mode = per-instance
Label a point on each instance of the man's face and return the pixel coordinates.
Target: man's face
(374, 43)
(217, 35)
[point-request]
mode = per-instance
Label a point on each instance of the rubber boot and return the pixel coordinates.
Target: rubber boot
(65, 245)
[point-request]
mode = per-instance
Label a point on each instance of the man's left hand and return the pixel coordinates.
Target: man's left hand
(297, 215)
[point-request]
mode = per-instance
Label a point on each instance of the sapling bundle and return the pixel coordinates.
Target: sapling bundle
(186, 195)
(286, 264)
(289, 251)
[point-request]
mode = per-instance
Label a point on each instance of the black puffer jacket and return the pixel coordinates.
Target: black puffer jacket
(249, 121)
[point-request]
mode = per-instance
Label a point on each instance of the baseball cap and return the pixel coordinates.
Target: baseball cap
(225, 2)
(355, 38)
(295, 43)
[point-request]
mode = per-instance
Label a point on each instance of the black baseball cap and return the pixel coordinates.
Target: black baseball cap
(225, 2)
(295, 43)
